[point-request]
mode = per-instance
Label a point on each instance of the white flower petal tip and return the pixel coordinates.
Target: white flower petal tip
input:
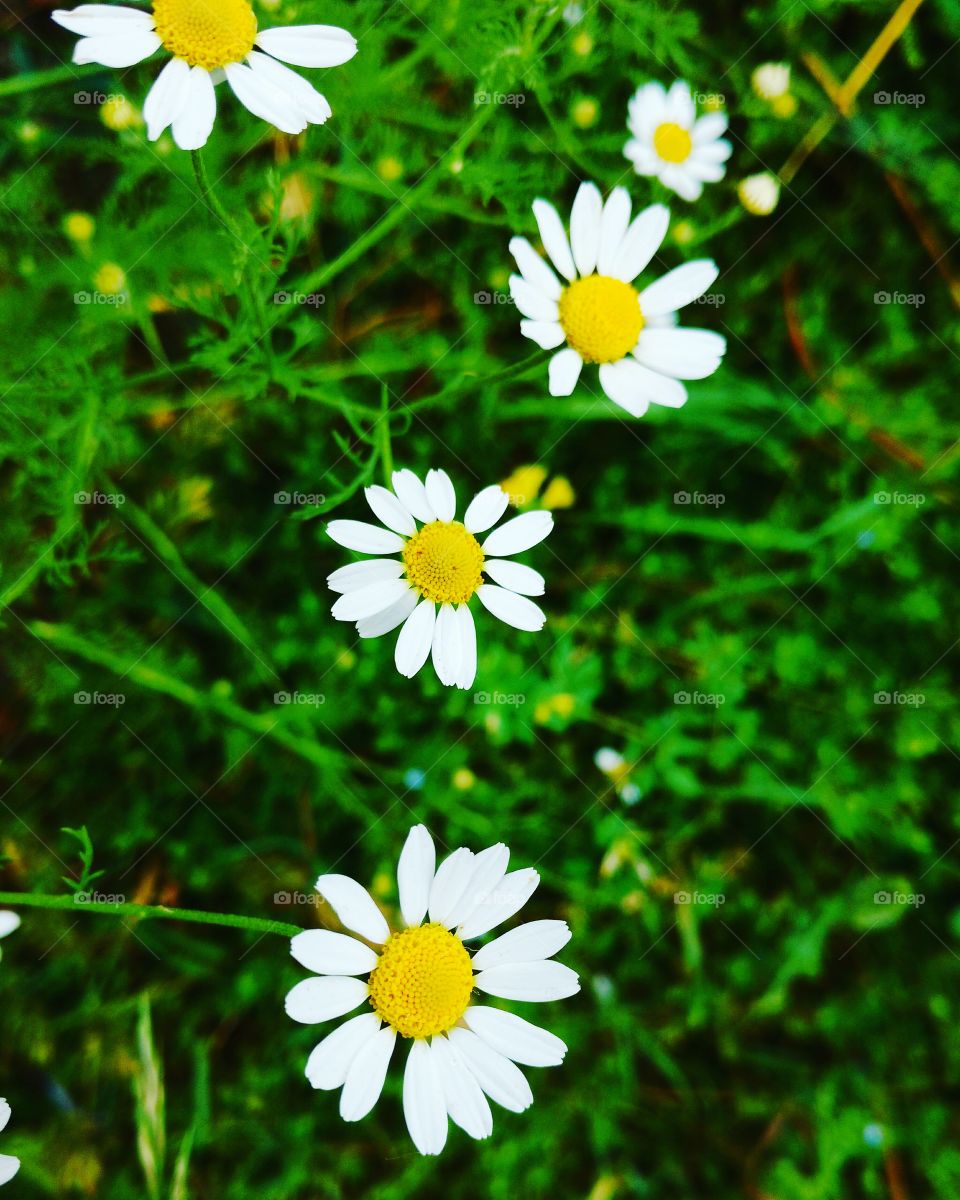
(415, 872)
(323, 998)
(354, 907)
(9, 921)
(441, 568)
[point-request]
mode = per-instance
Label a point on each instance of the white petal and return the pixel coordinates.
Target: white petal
(390, 618)
(370, 600)
(117, 50)
(635, 387)
(330, 1059)
(646, 109)
(714, 152)
(309, 45)
(5, 1112)
(466, 1103)
(510, 608)
(415, 640)
(264, 99)
(413, 495)
(613, 228)
(554, 238)
(585, 227)
(451, 881)
(705, 170)
(681, 353)
(442, 497)
(547, 334)
(354, 907)
(564, 371)
(415, 871)
(519, 534)
(535, 981)
(365, 538)
(498, 1076)
(9, 1166)
(446, 646)
(96, 20)
(486, 508)
(487, 869)
(468, 648)
(709, 127)
(424, 1105)
(534, 270)
(324, 997)
(515, 1038)
(167, 97)
(530, 302)
(329, 953)
(389, 511)
(9, 921)
(358, 575)
(677, 177)
(194, 121)
(364, 1081)
(531, 942)
(505, 900)
(313, 106)
(680, 104)
(645, 161)
(515, 576)
(641, 242)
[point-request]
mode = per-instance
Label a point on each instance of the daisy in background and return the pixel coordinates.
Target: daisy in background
(441, 567)
(419, 980)
(669, 141)
(9, 1165)
(211, 40)
(599, 312)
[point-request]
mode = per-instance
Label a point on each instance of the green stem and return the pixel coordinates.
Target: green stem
(386, 450)
(145, 911)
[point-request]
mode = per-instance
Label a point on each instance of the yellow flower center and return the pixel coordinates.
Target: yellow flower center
(443, 562)
(601, 317)
(422, 983)
(672, 143)
(206, 33)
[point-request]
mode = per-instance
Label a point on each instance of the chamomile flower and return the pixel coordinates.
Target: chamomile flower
(669, 141)
(211, 40)
(420, 978)
(598, 311)
(441, 567)
(9, 1165)
(759, 194)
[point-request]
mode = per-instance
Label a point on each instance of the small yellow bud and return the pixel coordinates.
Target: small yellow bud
(110, 279)
(79, 227)
(584, 112)
(559, 493)
(784, 106)
(684, 232)
(524, 484)
(582, 44)
(543, 712)
(389, 169)
(28, 132)
(456, 166)
(463, 779)
(564, 704)
(119, 114)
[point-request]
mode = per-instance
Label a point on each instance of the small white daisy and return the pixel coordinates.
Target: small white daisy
(9, 1165)
(759, 194)
(419, 981)
(600, 314)
(771, 81)
(211, 40)
(670, 141)
(441, 568)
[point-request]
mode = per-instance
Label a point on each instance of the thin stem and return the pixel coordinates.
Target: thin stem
(146, 911)
(386, 450)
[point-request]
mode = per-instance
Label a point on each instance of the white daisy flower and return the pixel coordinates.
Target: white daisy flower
(9, 1165)
(211, 40)
(441, 567)
(9, 921)
(771, 80)
(419, 981)
(599, 313)
(671, 142)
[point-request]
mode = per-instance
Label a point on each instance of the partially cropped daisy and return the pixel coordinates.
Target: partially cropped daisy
(9, 921)
(211, 40)
(419, 981)
(10, 1165)
(669, 141)
(441, 566)
(599, 312)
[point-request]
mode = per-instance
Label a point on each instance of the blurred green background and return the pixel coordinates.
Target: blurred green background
(764, 895)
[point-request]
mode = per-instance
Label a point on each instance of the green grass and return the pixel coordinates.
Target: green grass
(791, 1038)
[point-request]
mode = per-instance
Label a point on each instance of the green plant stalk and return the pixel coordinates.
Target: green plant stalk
(149, 911)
